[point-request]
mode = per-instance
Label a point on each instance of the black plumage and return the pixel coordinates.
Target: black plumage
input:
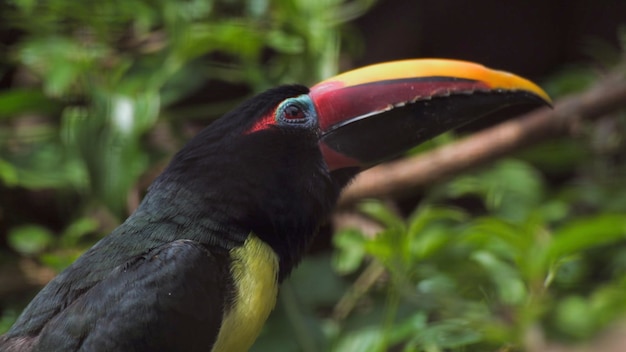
(161, 280)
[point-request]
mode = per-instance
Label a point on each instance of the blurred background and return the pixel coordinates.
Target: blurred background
(526, 253)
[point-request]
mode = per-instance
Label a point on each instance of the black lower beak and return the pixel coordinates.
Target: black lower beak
(415, 123)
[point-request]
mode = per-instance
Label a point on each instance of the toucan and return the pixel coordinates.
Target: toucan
(197, 266)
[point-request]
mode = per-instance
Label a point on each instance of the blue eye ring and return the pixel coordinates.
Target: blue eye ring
(297, 111)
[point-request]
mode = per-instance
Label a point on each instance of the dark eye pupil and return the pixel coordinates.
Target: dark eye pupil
(293, 112)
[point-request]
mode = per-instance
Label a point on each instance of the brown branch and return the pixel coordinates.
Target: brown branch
(612, 339)
(361, 286)
(397, 178)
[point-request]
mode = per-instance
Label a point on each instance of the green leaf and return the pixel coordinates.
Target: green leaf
(78, 229)
(574, 317)
(350, 250)
(389, 247)
(58, 261)
(20, 101)
(381, 213)
(511, 189)
(61, 61)
(430, 228)
(30, 239)
(511, 289)
(239, 38)
(431, 241)
(496, 232)
(425, 216)
(285, 42)
(366, 339)
(452, 333)
(582, 234)
(8, 174)
(7, 319)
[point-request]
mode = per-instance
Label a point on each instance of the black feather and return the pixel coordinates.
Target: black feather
(222, 186)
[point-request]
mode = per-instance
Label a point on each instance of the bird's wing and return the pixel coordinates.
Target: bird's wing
(169, 299)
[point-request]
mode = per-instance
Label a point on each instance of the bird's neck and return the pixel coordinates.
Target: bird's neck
(289, 215)
(282, 202)
(186, 214)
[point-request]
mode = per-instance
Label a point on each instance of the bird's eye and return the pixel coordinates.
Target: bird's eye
(297, 112)
(293, 112)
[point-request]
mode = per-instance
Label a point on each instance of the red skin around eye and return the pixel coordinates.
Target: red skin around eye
(269, 120)
(263, 123)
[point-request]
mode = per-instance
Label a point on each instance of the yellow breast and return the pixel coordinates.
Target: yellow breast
(255, 274)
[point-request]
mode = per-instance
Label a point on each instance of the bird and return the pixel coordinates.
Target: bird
(197, 266)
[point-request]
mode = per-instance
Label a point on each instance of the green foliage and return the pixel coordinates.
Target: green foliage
(19, 101)
(7, 319)
(103, 73)
(465, 279)
(29, 239)
(36, 241)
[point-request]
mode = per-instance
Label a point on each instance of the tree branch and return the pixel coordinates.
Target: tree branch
(399, 177)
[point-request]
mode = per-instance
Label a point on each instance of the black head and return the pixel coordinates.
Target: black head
(258, 169)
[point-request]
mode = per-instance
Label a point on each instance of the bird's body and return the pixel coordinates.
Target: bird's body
(199, 240)
(197, 266)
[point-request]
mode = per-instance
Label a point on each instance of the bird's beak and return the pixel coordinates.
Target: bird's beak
(377, 112)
